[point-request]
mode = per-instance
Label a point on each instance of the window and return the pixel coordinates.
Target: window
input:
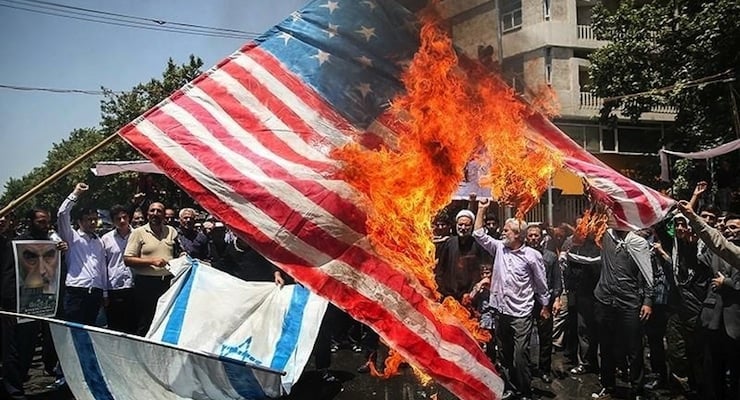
(511, 14)
(639, 140)
(514, 72)
(587, 136)
(548, 65)
(608, 139)
(592, 142)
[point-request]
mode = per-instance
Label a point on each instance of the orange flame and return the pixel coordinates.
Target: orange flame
(449, 115)
(594, 222)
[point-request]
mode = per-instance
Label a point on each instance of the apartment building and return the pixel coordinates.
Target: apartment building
(547, 42)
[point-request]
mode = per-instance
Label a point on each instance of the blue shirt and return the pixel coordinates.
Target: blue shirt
(119, 275)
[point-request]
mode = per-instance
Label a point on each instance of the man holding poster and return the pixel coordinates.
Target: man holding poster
(29, 283)
(37, 273)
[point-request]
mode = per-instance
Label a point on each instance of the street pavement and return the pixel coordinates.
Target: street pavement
(405, 386)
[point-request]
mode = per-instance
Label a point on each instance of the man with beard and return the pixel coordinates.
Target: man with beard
(720, 320)
(691, 281)
(555, 289)
(149, 249)
(191, 240)
(518, 276)
(19, 340)
(459, 259)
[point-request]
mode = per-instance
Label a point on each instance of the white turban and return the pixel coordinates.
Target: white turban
(465, 213)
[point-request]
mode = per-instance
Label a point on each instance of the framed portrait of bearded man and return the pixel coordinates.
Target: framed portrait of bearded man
(37, 275)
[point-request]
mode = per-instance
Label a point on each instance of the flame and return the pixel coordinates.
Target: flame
(545, 101)
(594, 222)
(453, 111)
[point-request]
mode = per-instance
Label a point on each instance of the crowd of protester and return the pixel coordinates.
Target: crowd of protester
(670, 292)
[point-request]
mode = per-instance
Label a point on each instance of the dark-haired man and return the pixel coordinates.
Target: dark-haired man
(555, 289)
(120, 303)
(149, 249)
(720, 320)
(624, 299)
(86, 272)
(19, 340)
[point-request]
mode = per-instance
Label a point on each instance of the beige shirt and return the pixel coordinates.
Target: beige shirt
(143, 242)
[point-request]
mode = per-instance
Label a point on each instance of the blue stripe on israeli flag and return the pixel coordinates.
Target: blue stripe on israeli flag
(89, 364)
(291, 328)
(174, 323)
(243, 381)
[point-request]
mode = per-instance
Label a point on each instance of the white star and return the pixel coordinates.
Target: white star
(331, 5)
(322, 56)
(332, 30)
(366, 32)
(285, 36)
(370, 4)
(365, 61)
(296, 15)
(364, 88)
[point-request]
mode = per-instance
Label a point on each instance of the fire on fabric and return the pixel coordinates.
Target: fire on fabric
(451, 113)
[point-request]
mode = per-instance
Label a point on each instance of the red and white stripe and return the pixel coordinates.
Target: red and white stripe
(251, 144)
(633, 205)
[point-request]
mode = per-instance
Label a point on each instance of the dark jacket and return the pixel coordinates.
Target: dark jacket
(458, 266)
(721, 307)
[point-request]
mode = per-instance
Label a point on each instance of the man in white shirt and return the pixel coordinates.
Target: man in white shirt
(120, 303)
(86, 274)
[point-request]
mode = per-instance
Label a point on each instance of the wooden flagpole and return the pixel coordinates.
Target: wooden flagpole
(57, 175)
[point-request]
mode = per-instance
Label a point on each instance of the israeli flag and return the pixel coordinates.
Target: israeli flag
(104, 365)
(254, 322)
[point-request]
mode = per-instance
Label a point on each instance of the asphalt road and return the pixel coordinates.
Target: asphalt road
(355, 386)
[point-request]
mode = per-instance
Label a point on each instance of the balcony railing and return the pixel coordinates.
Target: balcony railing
(590, 102)
(586, 32)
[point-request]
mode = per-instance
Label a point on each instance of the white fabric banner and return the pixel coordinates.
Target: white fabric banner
(699, 155)
(104, 365)
(104, 168)
(256, 322)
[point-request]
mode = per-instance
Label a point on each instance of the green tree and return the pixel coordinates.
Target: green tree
(117, 109)
(667, 43)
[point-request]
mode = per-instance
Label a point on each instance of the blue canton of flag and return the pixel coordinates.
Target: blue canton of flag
(352, 56)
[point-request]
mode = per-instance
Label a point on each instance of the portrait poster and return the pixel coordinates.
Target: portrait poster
(473, 172)
(37, 276)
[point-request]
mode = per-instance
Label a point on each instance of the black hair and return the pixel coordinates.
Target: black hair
(732, 216)
(117, 209)
(491, 217)
(31, 214)
(710, 208)
(442, 216)
(83, 211)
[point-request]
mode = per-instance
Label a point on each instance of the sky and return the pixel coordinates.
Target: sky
(55, 52)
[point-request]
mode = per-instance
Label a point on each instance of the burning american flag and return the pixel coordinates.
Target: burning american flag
(309, 143)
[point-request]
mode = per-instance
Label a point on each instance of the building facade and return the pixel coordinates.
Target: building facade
(541, 43)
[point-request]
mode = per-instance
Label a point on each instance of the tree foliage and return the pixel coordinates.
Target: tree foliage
(117, 110)
(666, 44)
